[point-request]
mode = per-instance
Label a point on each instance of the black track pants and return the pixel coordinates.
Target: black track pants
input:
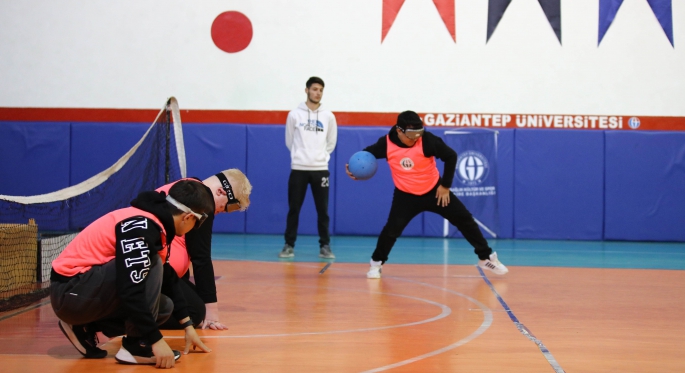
(406, 206)
(91, 298)
(297, 190)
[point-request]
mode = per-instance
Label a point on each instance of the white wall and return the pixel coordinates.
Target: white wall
(134, 54)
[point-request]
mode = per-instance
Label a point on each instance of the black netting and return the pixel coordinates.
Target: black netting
(27, 250)
(146, 169)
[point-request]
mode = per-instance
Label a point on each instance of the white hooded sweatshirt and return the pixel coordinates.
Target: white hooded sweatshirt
(310, 135)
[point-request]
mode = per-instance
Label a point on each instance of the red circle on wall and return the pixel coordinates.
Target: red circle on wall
(231, 31)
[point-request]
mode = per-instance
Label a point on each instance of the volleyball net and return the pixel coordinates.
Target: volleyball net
(35, 229)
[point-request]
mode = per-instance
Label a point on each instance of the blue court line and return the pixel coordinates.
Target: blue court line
(522, 328)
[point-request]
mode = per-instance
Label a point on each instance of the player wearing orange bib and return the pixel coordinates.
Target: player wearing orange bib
(411, 153)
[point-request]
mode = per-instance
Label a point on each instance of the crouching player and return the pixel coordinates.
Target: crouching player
(112, 273)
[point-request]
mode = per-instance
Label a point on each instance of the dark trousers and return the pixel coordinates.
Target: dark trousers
(91, 298)
(196, 306)
(297, 190)
(406, 206)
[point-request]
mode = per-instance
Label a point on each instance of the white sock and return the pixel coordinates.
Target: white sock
(375, 264)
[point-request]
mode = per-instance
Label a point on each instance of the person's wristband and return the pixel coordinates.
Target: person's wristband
(187, 323)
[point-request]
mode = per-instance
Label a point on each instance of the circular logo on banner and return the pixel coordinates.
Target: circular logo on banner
(634, 122)
(472, 168)
(407, 163)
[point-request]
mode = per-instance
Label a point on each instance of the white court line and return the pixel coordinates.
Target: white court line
(487, 320)
(445, 311)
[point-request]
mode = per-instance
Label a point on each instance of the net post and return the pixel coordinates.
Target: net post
(39, 260)
(167, 160)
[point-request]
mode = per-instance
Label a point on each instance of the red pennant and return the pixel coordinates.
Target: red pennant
(445, 8)
(390, 10)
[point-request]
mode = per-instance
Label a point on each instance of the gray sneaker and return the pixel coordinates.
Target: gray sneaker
(326, 253)
(287, 252)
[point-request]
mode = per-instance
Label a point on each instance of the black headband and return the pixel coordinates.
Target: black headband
(226, 186)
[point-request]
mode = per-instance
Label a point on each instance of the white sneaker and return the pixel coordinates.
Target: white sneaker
(493, 264)
(136, 351)
(375, 270)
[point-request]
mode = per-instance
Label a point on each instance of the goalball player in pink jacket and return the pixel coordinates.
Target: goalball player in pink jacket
(111, 277)
(230, 190)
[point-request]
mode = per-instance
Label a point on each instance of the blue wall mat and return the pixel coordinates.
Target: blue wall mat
(551, 183)
(645, 183)
(505, 179)
(211, 148)
(268, 164)
(362, 207)
(35, 157)
(559, 184)
(97, 146)
(434, 224)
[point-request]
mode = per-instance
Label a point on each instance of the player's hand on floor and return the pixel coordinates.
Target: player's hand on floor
(443, 196)
(164, 355)
(192, 339)
(211, 320)
(213, 325)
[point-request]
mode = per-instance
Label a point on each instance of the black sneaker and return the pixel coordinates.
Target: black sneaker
(85, 341)
(287, 252)
(325, 252)
(138, 351)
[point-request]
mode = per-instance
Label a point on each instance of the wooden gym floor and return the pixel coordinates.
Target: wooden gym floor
(564, 306)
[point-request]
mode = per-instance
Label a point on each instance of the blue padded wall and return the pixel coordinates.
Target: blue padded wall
(35, 157)
(559, 184)
(645, 183)
(505, 182)
(434, 224)
(362, 207)
(97, 146)
(618, 185)
(268, 165)
(211, 148)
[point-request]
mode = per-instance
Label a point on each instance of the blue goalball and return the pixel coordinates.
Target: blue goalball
(363, 165)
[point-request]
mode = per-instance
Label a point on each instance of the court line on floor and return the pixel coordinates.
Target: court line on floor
(522, 328)
(445, 311)
(27, 308)
(485, 325)
(487, 322)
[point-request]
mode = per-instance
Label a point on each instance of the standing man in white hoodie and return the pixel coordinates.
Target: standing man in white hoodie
(310, 134)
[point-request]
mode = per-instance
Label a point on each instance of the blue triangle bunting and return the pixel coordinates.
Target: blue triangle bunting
(662, 9)
(496, 10)
(552, 9)
(664, 14)
(607, 13)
